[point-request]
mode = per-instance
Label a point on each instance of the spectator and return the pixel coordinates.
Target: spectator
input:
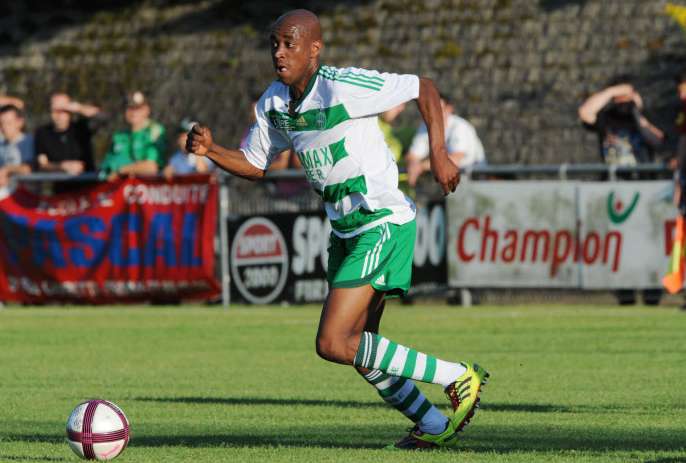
(681, 144)
(674, 280)
(64, 145)
(625, 136)
(182, 163)
(16, 147)
(138, 150)
(461, 141)
(385, 124)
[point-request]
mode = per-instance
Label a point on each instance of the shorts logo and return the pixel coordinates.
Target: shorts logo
(381, 280)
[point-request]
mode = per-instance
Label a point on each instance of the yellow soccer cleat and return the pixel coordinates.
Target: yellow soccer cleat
(464, 394)
(418, 440)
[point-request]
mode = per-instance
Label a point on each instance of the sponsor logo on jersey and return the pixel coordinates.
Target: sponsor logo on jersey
(317, 163)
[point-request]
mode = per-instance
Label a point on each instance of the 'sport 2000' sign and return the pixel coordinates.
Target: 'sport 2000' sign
(259, 261)
(280, 257)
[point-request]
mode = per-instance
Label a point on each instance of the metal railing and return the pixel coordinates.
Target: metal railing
(561, 171)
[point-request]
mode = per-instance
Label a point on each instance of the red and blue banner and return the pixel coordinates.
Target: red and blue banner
(123, 241)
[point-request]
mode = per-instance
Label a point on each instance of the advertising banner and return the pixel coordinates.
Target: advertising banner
(123, 241)
(593, 235)
(628, 228)
(429, 270)
(284, 257)
(510, 234)
(279, 257)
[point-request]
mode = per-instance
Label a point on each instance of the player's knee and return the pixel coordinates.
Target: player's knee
(326, 348)
(333, 349)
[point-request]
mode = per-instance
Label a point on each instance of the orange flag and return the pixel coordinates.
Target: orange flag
(674, 280)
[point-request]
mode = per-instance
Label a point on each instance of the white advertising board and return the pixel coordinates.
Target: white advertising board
(632, 223)
(559, 234)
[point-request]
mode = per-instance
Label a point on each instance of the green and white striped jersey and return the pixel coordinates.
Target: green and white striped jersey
(335, 133)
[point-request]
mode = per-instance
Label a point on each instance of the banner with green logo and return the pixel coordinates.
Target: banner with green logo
(594, 235)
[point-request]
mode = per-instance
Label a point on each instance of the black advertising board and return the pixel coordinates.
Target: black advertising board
(278, 257)
(283, 257)
(430, 270)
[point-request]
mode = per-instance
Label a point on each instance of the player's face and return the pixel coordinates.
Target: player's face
(290, 51)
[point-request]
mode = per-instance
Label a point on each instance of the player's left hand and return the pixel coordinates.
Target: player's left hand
(446, 173)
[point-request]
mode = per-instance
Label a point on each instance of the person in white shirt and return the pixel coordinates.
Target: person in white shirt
(329, 117)
(461, 140)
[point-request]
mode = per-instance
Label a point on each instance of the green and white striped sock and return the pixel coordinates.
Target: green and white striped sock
(404, 395)
(378, 353)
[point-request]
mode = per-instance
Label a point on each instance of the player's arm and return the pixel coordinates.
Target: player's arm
(200, 142)
(445, 172)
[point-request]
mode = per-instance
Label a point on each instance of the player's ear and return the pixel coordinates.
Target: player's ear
(316, 48)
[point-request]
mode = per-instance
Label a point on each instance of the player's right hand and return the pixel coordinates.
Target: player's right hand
(446, 173)
(199, 140)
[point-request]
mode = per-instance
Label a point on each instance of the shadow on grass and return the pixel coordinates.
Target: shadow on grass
(502, 439)
(270, 401)
(264, 401)
(23, 458)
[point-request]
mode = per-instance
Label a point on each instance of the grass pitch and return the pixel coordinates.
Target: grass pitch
(591, 384)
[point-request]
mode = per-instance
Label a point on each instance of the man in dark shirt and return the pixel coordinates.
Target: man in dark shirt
(64, 145)
(626, 137)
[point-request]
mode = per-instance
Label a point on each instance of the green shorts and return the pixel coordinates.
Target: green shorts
(381, 256)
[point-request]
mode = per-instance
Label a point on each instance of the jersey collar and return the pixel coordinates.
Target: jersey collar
(295, 103)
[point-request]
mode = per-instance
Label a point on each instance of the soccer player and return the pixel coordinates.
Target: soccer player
(329, 117)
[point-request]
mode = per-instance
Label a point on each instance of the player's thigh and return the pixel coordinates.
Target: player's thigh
(346, 311)
(374, 317)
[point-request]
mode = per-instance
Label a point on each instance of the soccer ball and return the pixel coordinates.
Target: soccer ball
(97, 430)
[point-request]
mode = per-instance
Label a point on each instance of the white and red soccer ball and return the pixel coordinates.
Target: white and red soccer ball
(97, 430)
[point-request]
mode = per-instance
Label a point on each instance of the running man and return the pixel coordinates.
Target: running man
(329, 117)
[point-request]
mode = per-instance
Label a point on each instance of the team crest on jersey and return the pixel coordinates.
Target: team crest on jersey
(321, 120)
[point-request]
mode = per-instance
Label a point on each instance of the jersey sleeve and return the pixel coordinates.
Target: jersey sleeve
(263, 142)
(367, 93)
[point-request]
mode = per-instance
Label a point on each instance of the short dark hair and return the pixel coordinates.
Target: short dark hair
(10, 107)
(680, 77)
(445, 97)
(620, 79)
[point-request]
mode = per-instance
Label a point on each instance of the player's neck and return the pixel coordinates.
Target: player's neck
(299, 88)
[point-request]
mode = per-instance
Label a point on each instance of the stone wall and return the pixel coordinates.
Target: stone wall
(518, 69)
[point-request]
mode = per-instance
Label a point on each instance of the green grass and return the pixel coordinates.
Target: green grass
(591, 384)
